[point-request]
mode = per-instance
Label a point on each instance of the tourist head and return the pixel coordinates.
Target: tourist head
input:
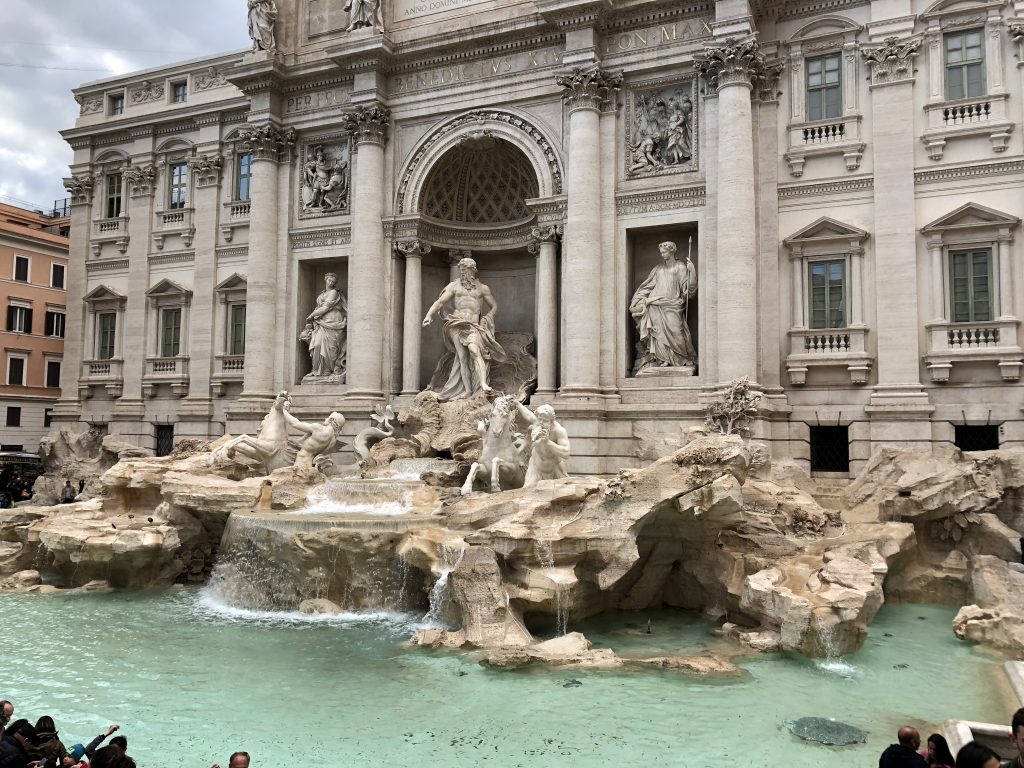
(1017, 731)
(22, 732)
(239, 760)
(975, 755)
(120, 742)
(111, 757)
(668, 249)
(6, 712)
(908, 737)
(45, 724)
(938, 750)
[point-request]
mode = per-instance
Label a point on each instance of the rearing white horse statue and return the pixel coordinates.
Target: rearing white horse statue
(502, 457)
(270, 446)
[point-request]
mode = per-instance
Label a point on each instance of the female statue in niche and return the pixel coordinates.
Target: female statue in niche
(325, 332)
(262, 15)
(660, 307)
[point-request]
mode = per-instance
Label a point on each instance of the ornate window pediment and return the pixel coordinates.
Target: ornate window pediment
(971, 216)
(234, 282)
(103, 294)
(827, 231)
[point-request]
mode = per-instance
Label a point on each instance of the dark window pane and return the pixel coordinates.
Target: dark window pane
(57, 276)
(21, 269)
(15, 371)
(13, 416)
(53, 373)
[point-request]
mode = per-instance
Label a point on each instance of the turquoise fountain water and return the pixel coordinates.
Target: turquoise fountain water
(192, 680)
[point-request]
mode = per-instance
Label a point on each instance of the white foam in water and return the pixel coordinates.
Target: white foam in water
(212, 605)
(323, 506)
(837, 667)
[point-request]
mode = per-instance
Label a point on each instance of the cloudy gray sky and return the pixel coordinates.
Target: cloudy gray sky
(47, 47)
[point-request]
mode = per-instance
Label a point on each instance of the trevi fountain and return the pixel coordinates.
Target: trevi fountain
(395, 555)
(452, 595)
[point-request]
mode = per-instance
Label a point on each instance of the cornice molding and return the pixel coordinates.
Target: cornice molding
(838, 186)
(660, 200)
(319, 238)
(973, 170)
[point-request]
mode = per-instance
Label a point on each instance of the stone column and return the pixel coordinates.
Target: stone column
(729, 68)
(584, 91)
(899, 409)
(1016, 32)
(267, 144)
(856, 285)
(76, 340)
(935, 265)
(136, 338)
(545, 246)
(206, 173)
(414, 251)
(1006, 309)
(367, 315)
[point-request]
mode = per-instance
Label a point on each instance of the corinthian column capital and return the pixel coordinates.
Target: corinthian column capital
(80, 188)
(266, 141)
(589, 87)
(412, 249)
(368, 123)
(732, 62)
(893, 61)
(141, 179)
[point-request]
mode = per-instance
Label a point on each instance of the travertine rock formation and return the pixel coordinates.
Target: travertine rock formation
(74, 456)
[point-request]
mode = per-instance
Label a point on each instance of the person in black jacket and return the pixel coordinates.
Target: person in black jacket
(904, 754)
(18, 739)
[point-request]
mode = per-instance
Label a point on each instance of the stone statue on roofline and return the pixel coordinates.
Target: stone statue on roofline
(262, 15)
(363, 13)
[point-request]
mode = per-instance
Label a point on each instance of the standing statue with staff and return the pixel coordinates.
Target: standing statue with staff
(661, 307)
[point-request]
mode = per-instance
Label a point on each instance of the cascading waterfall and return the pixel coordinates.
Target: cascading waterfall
(833, 661)
(440, 598)
(546, 554)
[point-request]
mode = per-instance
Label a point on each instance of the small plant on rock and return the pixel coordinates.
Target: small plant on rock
(731, 412)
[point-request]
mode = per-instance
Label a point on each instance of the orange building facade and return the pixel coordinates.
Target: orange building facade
(33, 285)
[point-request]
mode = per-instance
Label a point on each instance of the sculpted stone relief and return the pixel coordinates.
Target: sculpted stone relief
(325, 179)
(147, 91)
(661, 133)
(211, 78)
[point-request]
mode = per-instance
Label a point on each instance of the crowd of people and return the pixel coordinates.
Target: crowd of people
(23, 745)
(907, 752)
(15, 487)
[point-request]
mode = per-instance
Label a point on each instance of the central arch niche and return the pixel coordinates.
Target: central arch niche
(473, 199)
(483, 180)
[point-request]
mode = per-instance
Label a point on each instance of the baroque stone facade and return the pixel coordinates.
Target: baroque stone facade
(846, 184)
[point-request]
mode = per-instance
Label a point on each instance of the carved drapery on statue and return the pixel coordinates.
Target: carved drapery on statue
(363, 13)
(262, 16)
(326, 333)
(660, 307)
(661, 129)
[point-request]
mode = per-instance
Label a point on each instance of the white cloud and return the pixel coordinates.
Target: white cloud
(59, 41)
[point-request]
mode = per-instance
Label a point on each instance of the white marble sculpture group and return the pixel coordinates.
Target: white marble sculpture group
(271, 448)
(509, 459)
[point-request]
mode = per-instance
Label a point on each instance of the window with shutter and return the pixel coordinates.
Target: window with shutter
(970, 283)
(170, 322)
(827, 283)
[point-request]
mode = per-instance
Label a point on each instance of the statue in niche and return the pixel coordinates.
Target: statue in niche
(468, 333)
(662, 132)
(547, 443)
(262, 15)
(660, 307)
(363, 13)
(324, 183)
(325, 332)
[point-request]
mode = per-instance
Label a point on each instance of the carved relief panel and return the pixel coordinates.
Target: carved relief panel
(661, 127)
(324, 176)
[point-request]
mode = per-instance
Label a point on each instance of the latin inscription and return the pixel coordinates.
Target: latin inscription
(411, 9)
(663, 34)
(305, 102)
(477, 70)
